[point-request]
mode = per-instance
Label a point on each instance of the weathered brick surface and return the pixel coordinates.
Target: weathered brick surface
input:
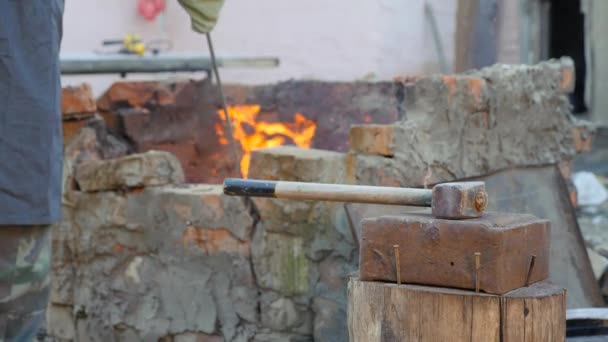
(303, 250)
(61, 323)
(372, 139)
(296, 164)
(152, 168)
(281, 264)
(90, 143)
(473, 124)
(505, 242)
(182, 116)
(77, 101)
(170, 117)
(136, 94)
(71, 128)
(166, 262)
(269, 336)
(568, 76)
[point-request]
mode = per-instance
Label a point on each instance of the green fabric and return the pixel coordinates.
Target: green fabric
(203, 13)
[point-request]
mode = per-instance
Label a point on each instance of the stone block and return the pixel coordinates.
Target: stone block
(92, 142)
(280, 263)
(296, 164)
(196, 337)
(269, 336)
(152, 168)
(330, 302)
(158, 263)
(330, 320)
(195, 210)
(280, 314)
(60, 322)
(372, 139)
(364, 169)
(196, 169)
(77, 101)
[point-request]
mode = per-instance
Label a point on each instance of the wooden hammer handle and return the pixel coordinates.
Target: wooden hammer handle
(328, 192)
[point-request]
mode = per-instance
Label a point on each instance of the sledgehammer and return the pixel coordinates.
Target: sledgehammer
(457, 200)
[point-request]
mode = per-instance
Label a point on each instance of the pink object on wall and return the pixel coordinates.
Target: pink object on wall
(150, 9)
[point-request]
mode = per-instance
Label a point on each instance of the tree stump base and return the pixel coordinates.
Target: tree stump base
(390, 312)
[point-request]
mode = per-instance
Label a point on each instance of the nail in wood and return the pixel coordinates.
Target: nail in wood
(477, 267)
(530, 269)
(397, 267)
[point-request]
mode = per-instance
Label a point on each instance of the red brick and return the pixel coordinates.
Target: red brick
(473, 89)
(71, 128)
(76, 101)
(135, 94)
(568, 77)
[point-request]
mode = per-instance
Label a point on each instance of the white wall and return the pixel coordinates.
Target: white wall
(314, 39)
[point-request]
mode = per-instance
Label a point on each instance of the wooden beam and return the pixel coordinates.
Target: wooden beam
(390, 312)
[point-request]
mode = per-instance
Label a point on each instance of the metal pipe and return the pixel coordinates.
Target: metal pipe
(128, 64)
(233, 147)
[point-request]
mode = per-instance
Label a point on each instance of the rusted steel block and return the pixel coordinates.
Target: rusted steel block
(459, 200)
(442, 252)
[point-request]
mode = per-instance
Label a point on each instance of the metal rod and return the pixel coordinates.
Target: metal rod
(235, 153)
(397, 265)
(328, 192)
(105, 63)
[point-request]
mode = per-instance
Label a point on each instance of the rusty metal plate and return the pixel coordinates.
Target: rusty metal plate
(542, 192)
(442, 252)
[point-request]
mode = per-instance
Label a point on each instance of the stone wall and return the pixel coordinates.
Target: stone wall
(139, 255)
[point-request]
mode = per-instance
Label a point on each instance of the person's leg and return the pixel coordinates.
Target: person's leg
(25, 262)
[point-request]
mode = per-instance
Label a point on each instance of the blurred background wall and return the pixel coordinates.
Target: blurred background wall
(314, 39)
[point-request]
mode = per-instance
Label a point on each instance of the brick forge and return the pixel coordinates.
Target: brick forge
(182, 118)
(142, 255)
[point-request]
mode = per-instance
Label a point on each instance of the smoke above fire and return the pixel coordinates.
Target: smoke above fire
(252, 134)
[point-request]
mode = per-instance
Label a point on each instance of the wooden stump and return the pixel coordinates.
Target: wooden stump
(390, 312)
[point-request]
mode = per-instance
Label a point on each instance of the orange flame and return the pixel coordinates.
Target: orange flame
(253, 135)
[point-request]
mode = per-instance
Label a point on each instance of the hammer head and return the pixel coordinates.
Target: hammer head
(460, 200)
